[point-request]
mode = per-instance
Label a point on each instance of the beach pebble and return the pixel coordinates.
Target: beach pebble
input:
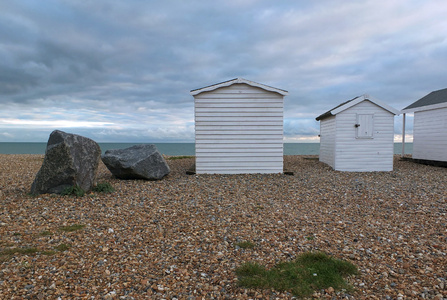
(181, 237)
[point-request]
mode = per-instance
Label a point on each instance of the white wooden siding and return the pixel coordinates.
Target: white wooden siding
(430, 135)
(364, 155)
(327, 141)
(239, 129)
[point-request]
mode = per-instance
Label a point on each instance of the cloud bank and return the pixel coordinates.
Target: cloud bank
(122, 71)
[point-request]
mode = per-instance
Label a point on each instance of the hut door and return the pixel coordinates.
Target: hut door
(364, 126)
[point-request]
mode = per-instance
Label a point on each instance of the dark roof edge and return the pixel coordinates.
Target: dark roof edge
(208, 86)
(434, 97)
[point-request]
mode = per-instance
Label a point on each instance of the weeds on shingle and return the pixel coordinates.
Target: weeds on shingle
(103, 187)
(308, 273)
(72, 228)
(45, 233)
(246, 245)
(73, 191)
(62, 247)
(12, 251)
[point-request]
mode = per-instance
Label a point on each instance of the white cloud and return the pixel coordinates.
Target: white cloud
(130, 65)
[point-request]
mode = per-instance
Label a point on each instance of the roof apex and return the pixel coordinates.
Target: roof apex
(345, 105)
(238, 80)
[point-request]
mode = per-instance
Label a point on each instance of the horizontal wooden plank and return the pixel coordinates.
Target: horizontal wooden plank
(249, 110)
(254, 104)
(239, 145)
(267, 126)
(232, 154)
(239, 131)
(239, 160)
(238, 119)
(239, 164)
(242, 114)
(224, 141)
(206, 154)
(237, 96)
(271, 122)
(226, 172)
(228, 138)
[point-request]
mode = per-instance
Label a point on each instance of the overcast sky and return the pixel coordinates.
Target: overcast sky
(121, 71)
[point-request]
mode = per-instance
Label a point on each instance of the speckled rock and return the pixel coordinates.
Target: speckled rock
(70, 160)
(136, 162)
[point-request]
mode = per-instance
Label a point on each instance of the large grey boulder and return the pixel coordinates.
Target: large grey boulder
(136, 162)
(70, 160)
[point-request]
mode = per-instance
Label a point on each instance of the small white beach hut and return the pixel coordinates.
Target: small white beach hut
(358, 135)
(429, 126)
(239, 128)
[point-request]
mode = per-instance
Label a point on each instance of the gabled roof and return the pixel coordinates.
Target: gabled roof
(238, 80)
(436, 99)
(354, 101)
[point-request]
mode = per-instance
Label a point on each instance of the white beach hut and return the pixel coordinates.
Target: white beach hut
(358, 135)
(429, 127)
(239, 128)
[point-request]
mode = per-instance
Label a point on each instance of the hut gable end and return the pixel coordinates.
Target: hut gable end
(239, 128)
(358, 136)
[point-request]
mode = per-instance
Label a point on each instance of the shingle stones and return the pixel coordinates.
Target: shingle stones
(136, 162)
(70, 160)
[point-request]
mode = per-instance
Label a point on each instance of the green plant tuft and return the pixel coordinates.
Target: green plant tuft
(45, 233)
(12, 251)
(62, 247)
(103, 187)
(311, 271)
(246, 245)
(72, 228)
(73, 191)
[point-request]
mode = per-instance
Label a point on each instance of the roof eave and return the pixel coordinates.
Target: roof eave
(423, 108)
(369, 98)
(324, 116)
(238, 80)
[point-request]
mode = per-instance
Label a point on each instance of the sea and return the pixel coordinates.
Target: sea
(176, 148)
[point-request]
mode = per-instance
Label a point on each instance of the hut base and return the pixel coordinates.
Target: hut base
(436, 163)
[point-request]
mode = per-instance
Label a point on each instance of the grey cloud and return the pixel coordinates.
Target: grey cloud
(124, 60)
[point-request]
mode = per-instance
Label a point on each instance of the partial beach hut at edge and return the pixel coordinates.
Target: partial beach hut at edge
(429, 127)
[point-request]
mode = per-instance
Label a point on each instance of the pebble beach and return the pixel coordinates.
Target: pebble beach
(178, 238)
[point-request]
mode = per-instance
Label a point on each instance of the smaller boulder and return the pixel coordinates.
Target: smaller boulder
(136, 162)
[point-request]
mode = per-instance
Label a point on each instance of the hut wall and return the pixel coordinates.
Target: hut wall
(327, 141)
(430, 135)
(355, 151)
(239, 129)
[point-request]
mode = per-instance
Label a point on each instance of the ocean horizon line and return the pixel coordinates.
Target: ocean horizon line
(172, 148)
